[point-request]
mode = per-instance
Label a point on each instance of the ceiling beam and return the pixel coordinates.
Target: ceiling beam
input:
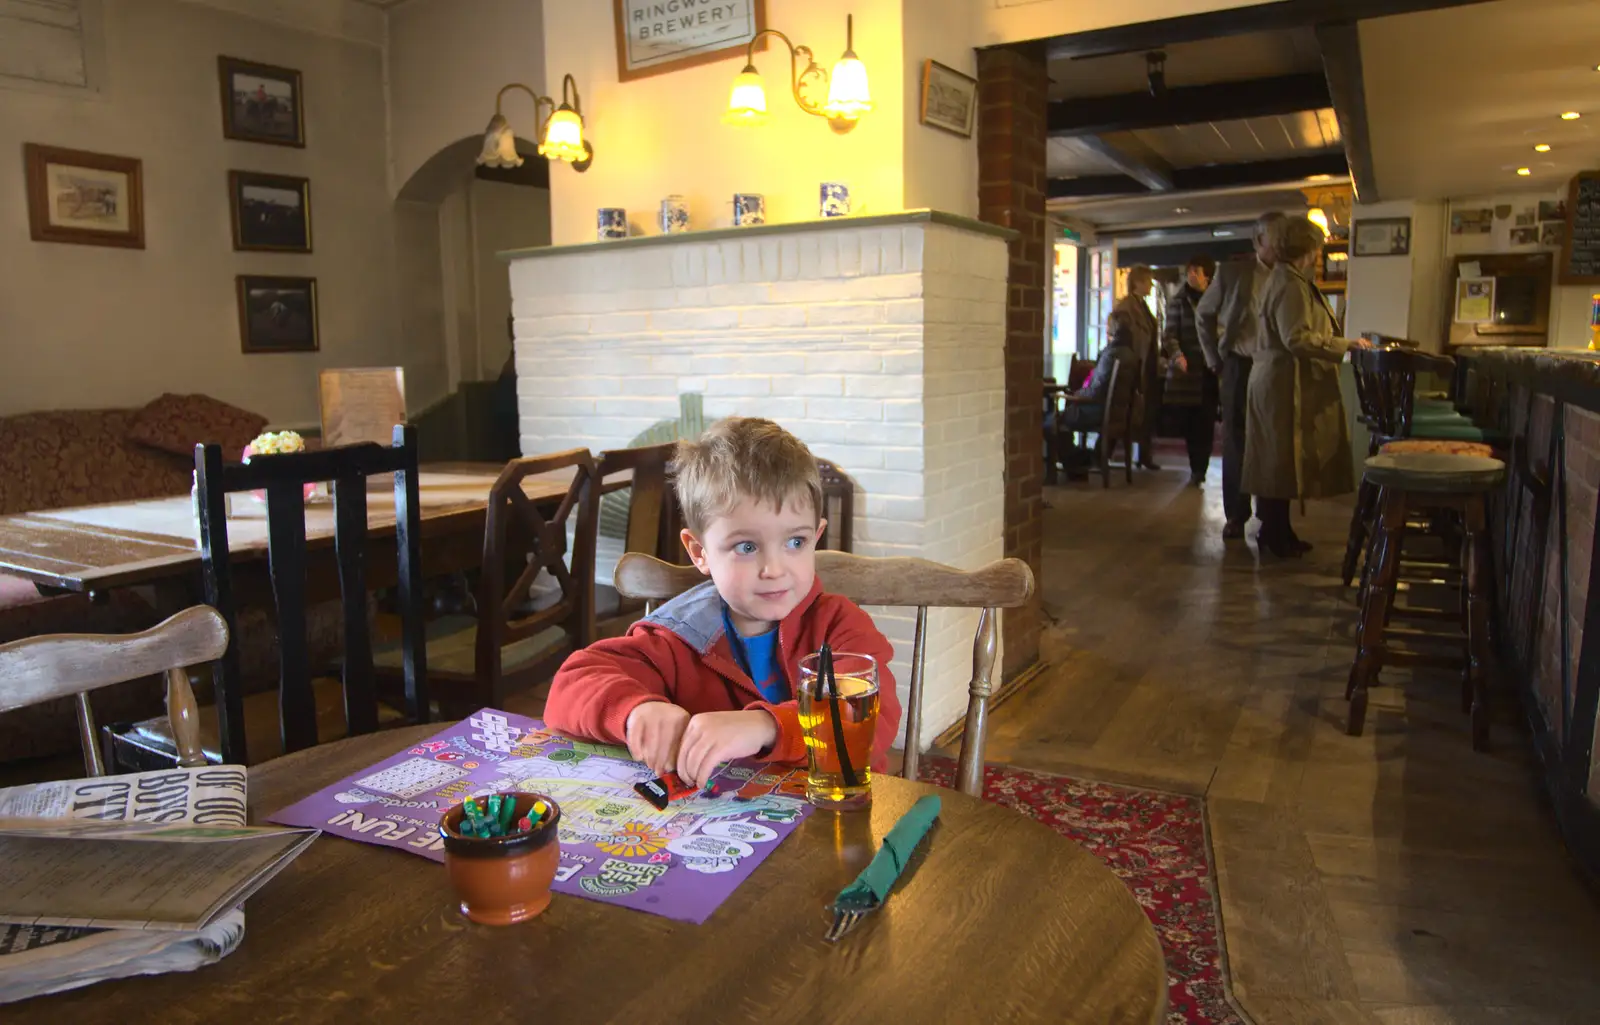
(1341, 61)
(1211, 176)
(1268, 17)
(1189, 105)
(1095, 185)
(1133, 159)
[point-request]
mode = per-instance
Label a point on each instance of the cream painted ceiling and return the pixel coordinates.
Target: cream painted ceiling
(1458, 98)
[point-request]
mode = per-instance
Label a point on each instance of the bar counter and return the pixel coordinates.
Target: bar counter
(1547, 402)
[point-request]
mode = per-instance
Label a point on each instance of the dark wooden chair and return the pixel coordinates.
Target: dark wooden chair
(1117, 423)
(901, 582)
(515, 636)
(649, 528)
(838, 507)
(304, 715)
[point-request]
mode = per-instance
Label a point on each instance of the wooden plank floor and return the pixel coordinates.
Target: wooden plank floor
(1395, 878)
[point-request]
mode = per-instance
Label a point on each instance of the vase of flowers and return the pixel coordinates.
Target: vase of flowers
(276, 443)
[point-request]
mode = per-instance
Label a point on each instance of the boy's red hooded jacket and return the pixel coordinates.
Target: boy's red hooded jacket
(680, 654)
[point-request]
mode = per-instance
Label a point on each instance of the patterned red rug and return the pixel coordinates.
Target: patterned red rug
(1156, 844)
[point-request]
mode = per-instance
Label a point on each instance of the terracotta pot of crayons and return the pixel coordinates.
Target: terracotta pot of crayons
(501, 852)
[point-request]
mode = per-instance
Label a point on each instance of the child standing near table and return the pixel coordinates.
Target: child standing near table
(710, 676)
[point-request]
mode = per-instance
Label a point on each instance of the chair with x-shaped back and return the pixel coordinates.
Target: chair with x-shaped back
(516, 639)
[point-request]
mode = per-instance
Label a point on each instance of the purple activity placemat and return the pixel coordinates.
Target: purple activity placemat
(680, 863)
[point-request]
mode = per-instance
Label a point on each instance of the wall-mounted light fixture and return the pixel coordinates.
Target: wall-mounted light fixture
(560, 138)
(848, 95)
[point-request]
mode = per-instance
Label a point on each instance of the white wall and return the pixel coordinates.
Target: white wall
(447, 60)
(1378, 292)
(91, 326)
(663, 134)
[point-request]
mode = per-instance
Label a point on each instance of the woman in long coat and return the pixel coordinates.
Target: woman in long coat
(1297, 441)
(1142, 324)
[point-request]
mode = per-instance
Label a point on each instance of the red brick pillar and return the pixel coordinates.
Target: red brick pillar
(1013, 106)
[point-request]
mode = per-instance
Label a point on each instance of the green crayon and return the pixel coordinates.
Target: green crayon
(508, 813)
(494, 807)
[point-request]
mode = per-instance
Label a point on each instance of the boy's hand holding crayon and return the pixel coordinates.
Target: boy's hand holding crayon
(667, 738)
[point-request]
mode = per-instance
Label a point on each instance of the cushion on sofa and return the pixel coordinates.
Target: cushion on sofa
(177, 423)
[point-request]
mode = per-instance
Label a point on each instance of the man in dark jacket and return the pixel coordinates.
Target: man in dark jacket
(1191, 385)
(1225, 321)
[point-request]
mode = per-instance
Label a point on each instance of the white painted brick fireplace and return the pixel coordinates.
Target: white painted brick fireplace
(877, 340)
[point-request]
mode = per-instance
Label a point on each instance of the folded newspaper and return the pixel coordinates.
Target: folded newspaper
(59, 878)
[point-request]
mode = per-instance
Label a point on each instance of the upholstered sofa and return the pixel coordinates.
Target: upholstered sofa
(59, 458)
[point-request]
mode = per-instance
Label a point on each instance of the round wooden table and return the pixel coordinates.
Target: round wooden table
(997, 919)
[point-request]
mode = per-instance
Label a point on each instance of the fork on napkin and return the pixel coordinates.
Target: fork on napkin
(871, 888)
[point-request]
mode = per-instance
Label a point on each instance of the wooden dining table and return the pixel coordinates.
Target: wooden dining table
(997, 918)
(96, 548)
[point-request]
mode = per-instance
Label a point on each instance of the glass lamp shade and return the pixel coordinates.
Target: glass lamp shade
(747, 103)
(499, 145)
(563, 136)
(848, 95)
(1317, 216)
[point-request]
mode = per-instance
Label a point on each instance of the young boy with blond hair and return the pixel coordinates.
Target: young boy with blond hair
(711, 675)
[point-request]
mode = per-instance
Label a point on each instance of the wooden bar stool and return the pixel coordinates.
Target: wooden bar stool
(1403, 481)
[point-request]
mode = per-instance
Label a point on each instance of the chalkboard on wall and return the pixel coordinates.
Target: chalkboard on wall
(1580, 251)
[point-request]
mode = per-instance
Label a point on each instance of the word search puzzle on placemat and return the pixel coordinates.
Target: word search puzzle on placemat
(680, 862)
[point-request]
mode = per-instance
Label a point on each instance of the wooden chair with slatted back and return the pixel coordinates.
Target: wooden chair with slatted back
(901, 582)
(38, 669)
(838, 507)
(649, 527)
(306, 710)
(515, 640)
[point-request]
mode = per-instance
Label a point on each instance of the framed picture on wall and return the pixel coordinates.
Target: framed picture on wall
(277, 314)
(261, 103)
(92, 199)
(1383, 236)
(271, 212)
(654, 38)
(949, 99)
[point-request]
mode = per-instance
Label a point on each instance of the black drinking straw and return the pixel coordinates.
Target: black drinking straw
(825, 676)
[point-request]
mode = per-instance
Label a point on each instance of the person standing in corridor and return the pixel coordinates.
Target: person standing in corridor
(1142, 324)
(1225, 321)
(1191, 384)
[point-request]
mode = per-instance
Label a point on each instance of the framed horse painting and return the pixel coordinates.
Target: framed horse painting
(261, 103)
(277, 314)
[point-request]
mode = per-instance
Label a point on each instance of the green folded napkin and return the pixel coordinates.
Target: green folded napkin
(872, 886)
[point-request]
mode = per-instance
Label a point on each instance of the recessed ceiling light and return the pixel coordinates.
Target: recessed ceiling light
(1524, 171)
(1571, 115)
(1320, 178)
(1543, 147)
(1180, 209)
(1221, 233)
